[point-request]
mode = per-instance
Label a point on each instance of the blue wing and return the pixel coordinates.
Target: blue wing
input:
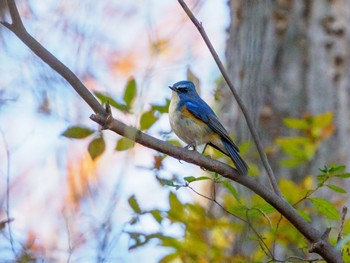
(201, 110)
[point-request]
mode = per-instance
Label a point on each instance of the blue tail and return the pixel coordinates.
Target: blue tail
(240, 164)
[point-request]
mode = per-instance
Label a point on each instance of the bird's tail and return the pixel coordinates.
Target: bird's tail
(240, 164)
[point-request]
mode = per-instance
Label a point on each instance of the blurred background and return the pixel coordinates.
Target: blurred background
(77, 194)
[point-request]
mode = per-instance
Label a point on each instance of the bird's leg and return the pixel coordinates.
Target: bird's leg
(205, 147)
(189, 146)
(192, 145)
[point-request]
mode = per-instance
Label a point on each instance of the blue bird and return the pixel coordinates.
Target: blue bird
(194, 122)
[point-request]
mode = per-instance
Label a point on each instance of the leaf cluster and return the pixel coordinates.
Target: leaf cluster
(148, 118)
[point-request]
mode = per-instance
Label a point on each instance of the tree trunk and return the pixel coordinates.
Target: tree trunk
(288, 59)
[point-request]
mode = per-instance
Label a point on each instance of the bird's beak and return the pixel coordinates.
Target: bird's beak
(172, 88)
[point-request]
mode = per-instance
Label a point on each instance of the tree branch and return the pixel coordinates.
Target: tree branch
(19, 30)
(104, 118)
(342, 222)
(245, 112)
(314, 236)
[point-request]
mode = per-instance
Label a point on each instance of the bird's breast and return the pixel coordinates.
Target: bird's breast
(186, 126)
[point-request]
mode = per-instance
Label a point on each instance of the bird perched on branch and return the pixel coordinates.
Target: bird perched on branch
(194, 122)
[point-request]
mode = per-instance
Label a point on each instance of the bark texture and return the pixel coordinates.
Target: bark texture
(289, 58)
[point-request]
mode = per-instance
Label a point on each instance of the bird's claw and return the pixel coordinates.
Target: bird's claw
(191, 146)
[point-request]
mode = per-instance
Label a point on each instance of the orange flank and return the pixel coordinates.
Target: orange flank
(203, 130)
(187, 114)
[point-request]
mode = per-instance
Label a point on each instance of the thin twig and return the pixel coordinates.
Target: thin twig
(313, 235)
(245, 112)
(19, 30)
(262, 243)
(69, 241)
(217, 203)
(275, 234)
(9, 219)
(341, 228)
(108, 122)
(16, 18)
(263, 213)
(297, 258)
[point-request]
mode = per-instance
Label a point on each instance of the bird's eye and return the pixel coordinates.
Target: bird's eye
(183, 89)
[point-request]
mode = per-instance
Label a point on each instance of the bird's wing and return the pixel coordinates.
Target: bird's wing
(203, 112)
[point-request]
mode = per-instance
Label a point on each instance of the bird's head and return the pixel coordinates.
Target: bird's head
(184, 89)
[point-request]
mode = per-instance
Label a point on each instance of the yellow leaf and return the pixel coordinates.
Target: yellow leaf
(290, 190)
(308, 182)
(322, 120)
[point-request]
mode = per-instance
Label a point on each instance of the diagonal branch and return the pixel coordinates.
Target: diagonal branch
(19, 30)
(306, 229)
(104, 118)
(16, 18)
(223, 71)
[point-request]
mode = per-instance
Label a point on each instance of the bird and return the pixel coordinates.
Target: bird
(195, 123)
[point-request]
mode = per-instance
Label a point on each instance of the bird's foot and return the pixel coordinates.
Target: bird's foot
(191, 146)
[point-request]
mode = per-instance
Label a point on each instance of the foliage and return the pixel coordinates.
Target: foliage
(213, 237)
(314, 130)
(246, 222)
(148, 118)
(248, 229)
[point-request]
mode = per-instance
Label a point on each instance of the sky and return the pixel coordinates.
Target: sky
(104, 43)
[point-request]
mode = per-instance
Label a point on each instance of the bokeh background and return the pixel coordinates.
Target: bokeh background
(289, 61)
(63, 203)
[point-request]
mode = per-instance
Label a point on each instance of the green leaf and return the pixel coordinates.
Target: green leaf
(130, 92)
(324, 170)
(346, 175)
(339, 168)
(290, 190)
(177, 211)
(346, 252)
(322, 120)
(322, 178)
(174, 202)
(291, 162)
(216, 177)
(166, 182)
(190, 179)
(96, 147)
(258, 209)
(254, 170)
(336, 188)
(245, 147)
(162, 108)
(106, 98)
(141, 239)
(305, 216)
(295, 123)
(325, 207)
(170, 257)
(157, 215)
(124, 144)
(232, 190)
(134, 204)
(294, 146)
(147, 120)
(347, 227)
(77, 132)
